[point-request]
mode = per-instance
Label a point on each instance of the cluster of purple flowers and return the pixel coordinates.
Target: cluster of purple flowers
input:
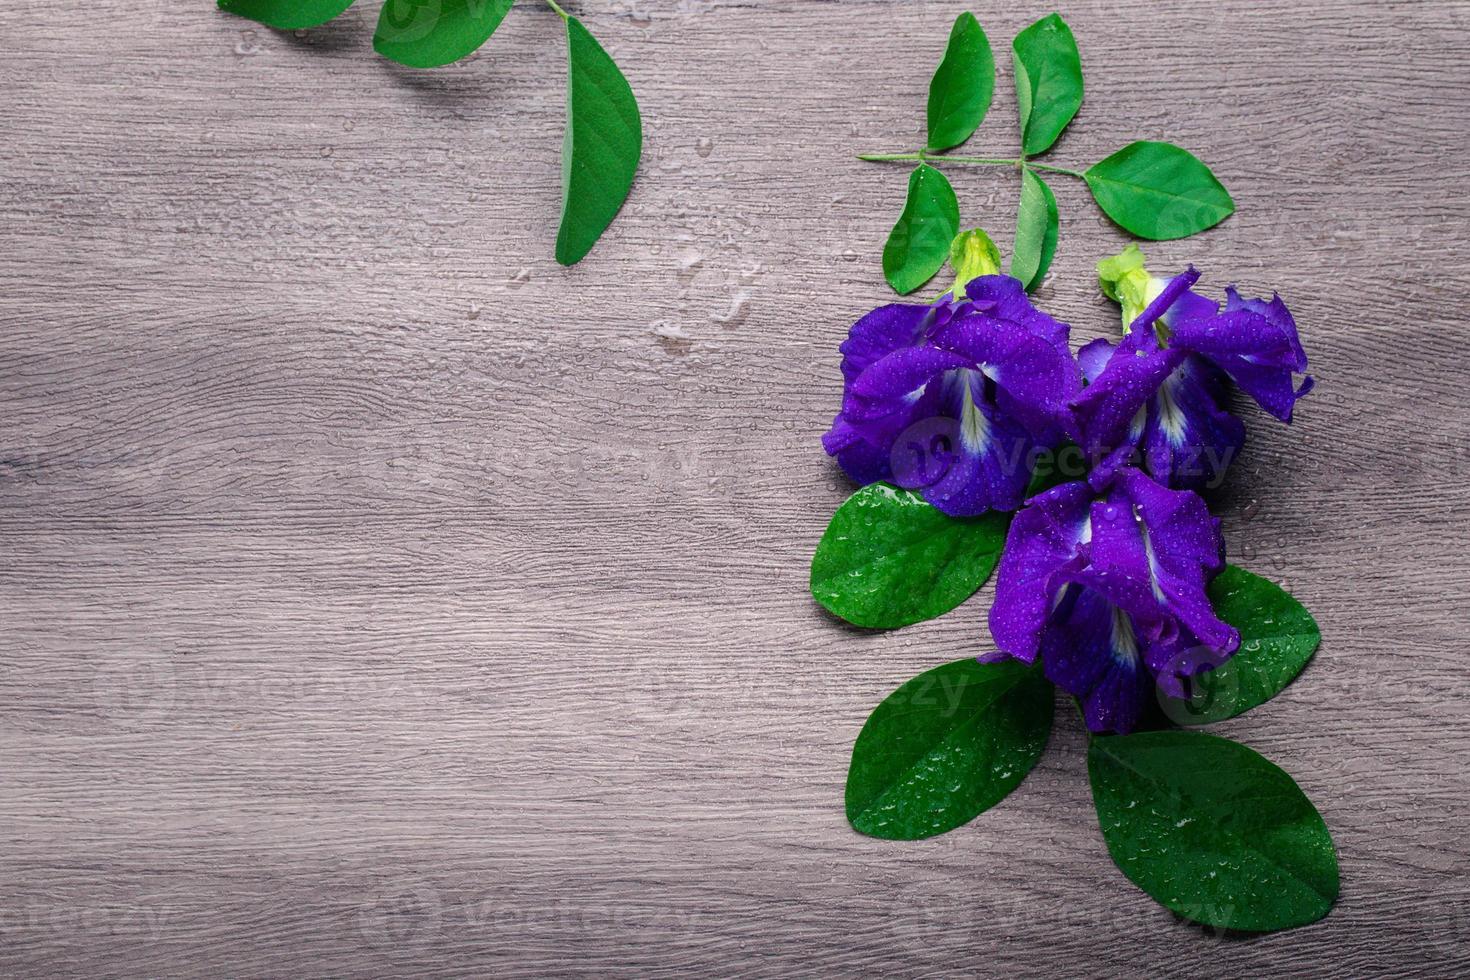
(1104, 578)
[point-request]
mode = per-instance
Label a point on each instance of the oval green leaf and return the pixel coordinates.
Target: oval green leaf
(1036, 230)
(1277, 639)
(604, 140)
(1048, 81)
(1211, 830)
(947, 746)
(1158, 191)
(286, 15)
(919, 242)
(889, 559)
(430, 33)
(960, 92)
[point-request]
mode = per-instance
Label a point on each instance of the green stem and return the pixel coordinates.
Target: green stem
(1056, 170)
(557, 7)
(921, 155)
(924, 157)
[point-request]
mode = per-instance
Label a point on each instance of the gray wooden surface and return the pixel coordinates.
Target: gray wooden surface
(380, 598)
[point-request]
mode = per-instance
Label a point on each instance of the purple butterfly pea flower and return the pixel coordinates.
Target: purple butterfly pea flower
(1108, 589)
(956, 399)
(1158, 396)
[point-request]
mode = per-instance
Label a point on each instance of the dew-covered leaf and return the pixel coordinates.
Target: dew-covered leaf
(947, 746)
(960, 92)
(1211, 830)
(429, 33)
(1158, 191)
(286, 15)
(889, 558)
(604, 140)
(1036, 230)
(1048, 81)
(1277, 639)
(920, 240)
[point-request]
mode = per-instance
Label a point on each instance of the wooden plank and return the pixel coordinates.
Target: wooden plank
(380, 597)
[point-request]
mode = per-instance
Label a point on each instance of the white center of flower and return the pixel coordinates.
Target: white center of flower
(1135, 428)
(1124, 642)
(1149, 555)
(1171, 417)
(974, 426)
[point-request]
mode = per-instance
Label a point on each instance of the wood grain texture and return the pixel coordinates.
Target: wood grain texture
(380, 598)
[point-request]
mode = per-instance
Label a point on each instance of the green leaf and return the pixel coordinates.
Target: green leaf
(1211, 830)
(429, 33)
(1036, 230)
(1048, 81)
(604, 140)
(960, 92)
(286, 15)
(947, 746)
(1277, 639)
(1158, 191)
(889, 558)
(919, 242)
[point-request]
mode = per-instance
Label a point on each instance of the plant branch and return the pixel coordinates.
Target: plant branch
(923, 157)
(1056, 170)
(557, 7)
(926, 157)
